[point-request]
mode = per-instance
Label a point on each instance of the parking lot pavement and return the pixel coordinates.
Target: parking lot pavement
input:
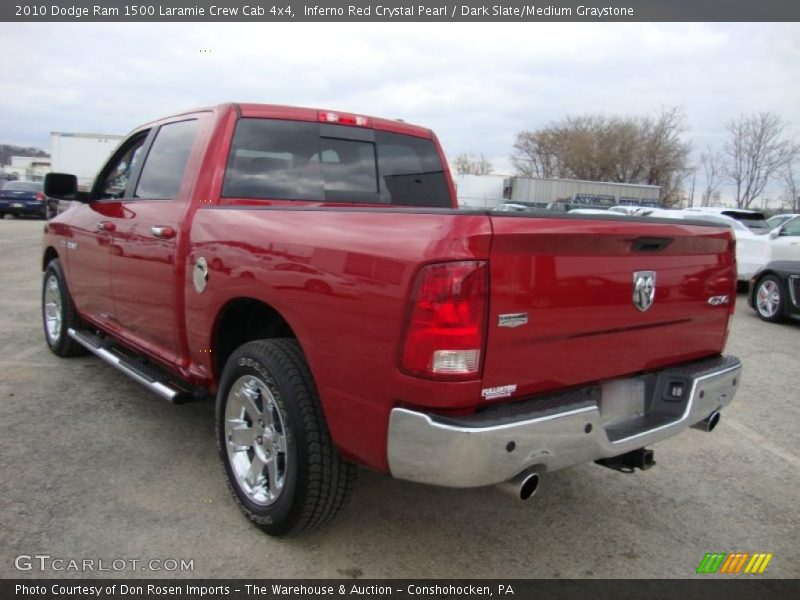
(93, 466)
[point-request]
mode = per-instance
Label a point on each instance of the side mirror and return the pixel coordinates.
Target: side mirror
(775, 233)
(63, 187)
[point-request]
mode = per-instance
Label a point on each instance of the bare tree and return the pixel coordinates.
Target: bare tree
(469, 164)
(713, 164)
(791, 189)
(620, 149)
(533, 155)
(666, 155)
(758, 151)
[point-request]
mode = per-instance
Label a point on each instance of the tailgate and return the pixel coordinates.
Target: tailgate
(563, 305)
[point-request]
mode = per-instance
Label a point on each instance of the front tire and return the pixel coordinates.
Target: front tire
(58, 312)
(282, 467)
(768, 299)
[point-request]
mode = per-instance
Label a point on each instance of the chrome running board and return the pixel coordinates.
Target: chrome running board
(150, 376)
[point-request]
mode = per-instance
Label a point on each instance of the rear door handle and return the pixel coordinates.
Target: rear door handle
(162, 232)
(106, 226)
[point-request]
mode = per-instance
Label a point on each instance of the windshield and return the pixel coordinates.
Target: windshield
(778, 220)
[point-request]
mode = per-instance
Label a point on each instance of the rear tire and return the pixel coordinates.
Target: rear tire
(58, 313)
(282, 467)
(768, 299)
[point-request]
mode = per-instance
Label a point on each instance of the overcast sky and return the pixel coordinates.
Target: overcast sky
(476, 85)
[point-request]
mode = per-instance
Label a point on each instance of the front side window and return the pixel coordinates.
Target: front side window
(294, 160)
(163, 169)
(792, 227)
(117, 175)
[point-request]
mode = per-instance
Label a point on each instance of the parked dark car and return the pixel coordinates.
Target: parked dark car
(25, 198)
(775, 291)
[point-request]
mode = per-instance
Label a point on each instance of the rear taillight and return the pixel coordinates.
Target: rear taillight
(40, 197)
(447, 321)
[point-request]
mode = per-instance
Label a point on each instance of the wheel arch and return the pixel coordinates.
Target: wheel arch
(49, 255)
(241, 320)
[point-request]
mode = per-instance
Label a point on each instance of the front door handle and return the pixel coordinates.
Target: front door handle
(107, 226)
(162, 232)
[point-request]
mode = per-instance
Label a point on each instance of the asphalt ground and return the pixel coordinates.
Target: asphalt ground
(93, 466)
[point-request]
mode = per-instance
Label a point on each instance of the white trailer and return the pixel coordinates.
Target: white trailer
(480, 191)
(81, 154)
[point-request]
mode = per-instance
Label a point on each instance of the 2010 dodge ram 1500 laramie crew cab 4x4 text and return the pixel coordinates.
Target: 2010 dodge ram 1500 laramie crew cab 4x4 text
(311, 270)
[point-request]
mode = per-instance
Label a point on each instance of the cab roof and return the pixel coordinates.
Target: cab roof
(298, 113)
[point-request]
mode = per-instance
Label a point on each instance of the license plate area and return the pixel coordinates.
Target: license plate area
(622, 400)
(630, 407)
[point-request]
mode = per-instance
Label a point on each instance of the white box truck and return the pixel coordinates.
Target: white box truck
(81, 154)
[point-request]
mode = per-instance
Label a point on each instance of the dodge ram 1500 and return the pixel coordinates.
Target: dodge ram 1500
(310, 270)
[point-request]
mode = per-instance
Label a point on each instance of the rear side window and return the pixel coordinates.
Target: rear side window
(162, 172)
(295, 160)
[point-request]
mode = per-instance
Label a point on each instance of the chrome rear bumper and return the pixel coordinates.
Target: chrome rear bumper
(557, 431)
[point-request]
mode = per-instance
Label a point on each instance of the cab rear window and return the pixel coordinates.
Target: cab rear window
(295, 160)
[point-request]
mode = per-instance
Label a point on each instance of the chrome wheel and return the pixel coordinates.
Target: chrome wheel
(53, 310)
(255, 438)
(768, 298)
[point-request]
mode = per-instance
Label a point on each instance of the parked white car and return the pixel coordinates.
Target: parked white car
(754, 220)
(632, 211)
(663, 213)
(777, 220)
(752, 250)
(593, 211)
(513, 207)
(785, 241)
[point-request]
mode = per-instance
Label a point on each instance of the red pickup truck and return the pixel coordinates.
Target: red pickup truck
(311, 270)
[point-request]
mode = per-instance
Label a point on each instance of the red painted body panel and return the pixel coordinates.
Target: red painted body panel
(87, 259)
(574, 279)
(341, 279)
(343, 293)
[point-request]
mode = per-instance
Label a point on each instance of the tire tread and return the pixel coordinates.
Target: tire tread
(66, 347)
(326, 482)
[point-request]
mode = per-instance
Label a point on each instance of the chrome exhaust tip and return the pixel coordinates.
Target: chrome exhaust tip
(709, 423)
(524, 486)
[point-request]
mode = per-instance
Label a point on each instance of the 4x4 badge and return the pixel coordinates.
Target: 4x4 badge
(644, 289)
